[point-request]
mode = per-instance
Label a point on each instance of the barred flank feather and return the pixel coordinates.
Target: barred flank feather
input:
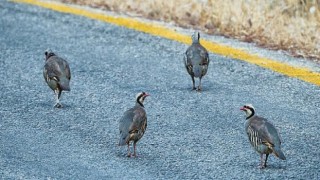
(253, 137)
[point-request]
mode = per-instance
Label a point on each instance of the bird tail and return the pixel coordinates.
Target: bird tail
(277, 151)
(64, 84)
(197, 71)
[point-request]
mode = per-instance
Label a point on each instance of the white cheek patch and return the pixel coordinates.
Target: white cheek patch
(248, 112)
(138, 95)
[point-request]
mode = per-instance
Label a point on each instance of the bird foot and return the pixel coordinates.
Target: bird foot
(262, 166)
(58, 105)
(132, 156)
(135, 155)
(198, 89)
(194, 88)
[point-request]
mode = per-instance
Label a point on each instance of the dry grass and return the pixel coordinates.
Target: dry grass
(290, 25)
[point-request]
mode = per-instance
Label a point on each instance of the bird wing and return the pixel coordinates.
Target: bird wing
(204, 55)
(139, 121)
(187, 60)
(204, 62)
(266, 132)
(45, 74)
(124, 125)
(67, 70)
(272, 134)
(126, 121)
(55, 66)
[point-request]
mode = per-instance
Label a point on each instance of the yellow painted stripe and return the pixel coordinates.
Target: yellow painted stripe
(296, 72)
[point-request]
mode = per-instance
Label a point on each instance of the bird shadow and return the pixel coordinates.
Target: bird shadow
(48, 105)
(276, 167)
(186, 88)
(269, 167)
(121, 152)
(45, 105)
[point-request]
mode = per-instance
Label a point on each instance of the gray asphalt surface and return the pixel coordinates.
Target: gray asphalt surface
(190, 135)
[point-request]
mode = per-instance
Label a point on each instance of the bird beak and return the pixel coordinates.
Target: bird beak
(242, 109)
(146, 95)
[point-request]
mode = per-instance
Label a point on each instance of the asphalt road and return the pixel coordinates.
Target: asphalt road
(190, 135)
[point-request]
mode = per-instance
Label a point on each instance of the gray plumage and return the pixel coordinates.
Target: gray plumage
(263, 136)
(196, 60)
(57, 75)
(133, 123)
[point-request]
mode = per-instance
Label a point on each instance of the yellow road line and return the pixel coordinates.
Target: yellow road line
(296, 72)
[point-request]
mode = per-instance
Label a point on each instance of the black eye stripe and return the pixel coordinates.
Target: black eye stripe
(140, 96)
(248, 107)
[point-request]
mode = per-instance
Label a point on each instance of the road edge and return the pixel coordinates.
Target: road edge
(304, 74)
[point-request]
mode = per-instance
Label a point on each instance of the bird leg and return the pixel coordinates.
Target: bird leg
(129, 153)
(134, 149)
(262, 164)
(193, 83)
(265, 162)
(57, 93)
(199, 87)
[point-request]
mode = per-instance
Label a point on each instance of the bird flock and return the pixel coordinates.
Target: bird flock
(262, 134)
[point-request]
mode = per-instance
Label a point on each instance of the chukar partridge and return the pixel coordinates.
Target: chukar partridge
(133, 124)
(56, 73)
(196, 60)
(263, 136)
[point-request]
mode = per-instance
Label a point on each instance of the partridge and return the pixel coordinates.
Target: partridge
(263, 136)
(196, 60)
(56, 73)
(133, 123)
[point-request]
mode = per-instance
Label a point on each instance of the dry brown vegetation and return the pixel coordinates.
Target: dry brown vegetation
(290, 25)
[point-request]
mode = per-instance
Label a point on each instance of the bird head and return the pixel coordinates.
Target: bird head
(248, 109)
(195, 37)
(48, 53)
(140, 97)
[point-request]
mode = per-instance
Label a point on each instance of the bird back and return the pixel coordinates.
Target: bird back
(132, 125)
(197, 60)
(59, 68)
